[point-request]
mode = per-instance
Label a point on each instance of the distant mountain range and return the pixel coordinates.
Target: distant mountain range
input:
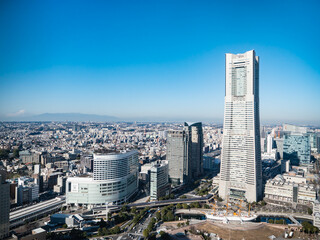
(61, 117)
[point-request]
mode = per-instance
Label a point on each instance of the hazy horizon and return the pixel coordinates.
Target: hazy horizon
(82, 117)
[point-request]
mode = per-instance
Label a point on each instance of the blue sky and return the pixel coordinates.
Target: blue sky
(156, 59)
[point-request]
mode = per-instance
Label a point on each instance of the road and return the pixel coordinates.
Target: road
(18, 216)
(136, 233)
(155, 204)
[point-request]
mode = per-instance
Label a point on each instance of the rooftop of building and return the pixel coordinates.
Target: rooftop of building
(105, 151)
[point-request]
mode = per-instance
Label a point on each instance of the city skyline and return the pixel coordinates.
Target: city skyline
(152, 62)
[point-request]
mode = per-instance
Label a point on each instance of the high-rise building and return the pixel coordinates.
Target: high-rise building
(241, 174)
(195, 148)
(177, 156)
(296, 149)
(185, 153)
(5, 205)
(269, 143)
(159, 180)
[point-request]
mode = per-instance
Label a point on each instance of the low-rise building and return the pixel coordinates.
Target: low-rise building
(316, 213)
(289, 190)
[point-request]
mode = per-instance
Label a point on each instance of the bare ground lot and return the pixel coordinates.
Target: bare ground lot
(236, 231)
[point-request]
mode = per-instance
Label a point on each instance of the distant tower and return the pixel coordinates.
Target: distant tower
(241, 174)
(269, 143)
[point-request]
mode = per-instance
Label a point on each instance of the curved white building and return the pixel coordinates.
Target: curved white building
(115, 180)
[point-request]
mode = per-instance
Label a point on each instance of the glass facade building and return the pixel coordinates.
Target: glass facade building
(296, 149)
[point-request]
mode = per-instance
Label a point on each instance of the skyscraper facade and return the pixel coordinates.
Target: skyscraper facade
(185, 153)
(241, 175)
(177, 156)
(4, 205)
(195, 148)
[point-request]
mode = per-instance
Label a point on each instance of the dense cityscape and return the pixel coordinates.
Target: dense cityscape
(134, 180)
(159, 120)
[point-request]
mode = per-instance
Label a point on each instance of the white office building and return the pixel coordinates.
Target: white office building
(241, 176)
(114, 181)
(269, 143)
(159, 180)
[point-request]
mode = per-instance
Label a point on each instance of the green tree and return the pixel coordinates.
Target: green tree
(133, 210)
(145, 233)
(179, 205)
(206, 206)
(185, 206)
(65, 226)
(124, 208)
(116, 230)
(309, 228)
(4, 153)
(15, 153)
(170, 216)
(158, 215)
(263, 203)
(102, 223)
(196, 205)
(183, 197)
(76, 234)
(164, 235)
(105, 231)
(270, 221)
(219, 199)
(310, 211)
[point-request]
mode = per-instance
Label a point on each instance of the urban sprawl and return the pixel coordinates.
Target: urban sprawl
(136, 180)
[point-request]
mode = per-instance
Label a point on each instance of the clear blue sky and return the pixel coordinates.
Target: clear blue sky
(156, 59)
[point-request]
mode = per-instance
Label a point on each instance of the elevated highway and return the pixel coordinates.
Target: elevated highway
(114, 208)
(19, 216)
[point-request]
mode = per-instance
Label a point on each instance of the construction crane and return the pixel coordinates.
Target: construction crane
(227, 206)
(239, 209)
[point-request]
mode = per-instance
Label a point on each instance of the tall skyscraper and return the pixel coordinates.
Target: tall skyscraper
(185, 153)
(241, 175)
(4, 205)
(177, 156)
(195, 148)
